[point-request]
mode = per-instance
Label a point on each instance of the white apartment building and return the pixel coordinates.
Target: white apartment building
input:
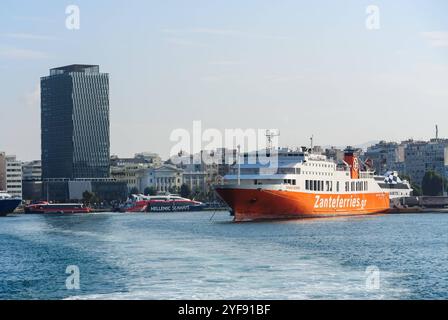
(32, 171)
(10, 175)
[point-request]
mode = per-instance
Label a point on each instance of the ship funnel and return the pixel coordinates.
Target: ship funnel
(352, 160)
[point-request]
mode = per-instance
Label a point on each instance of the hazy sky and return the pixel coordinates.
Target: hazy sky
(304, 67)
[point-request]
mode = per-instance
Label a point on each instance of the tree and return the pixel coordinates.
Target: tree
(432, 184)
(185, 191)
(87, 197)
(416, 189)
(174, 190)
(134, 190)
(150, 191)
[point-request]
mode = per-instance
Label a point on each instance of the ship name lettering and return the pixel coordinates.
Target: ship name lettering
(338, 202)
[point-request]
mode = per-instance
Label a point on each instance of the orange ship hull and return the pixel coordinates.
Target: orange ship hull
(261, 204)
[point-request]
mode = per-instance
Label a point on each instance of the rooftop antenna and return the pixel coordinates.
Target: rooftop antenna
(270, 134)
(312, 140)
(437, 132)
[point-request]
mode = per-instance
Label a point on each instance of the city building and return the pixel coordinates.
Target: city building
(129, 173)
(68, 190)
(197, 181)
(2, 171)
(75, 135)
(10, 175)
(422, 156)
(201, 172)
(150, 158)
(228, 159)
(32, 170)
(75, 123)
(335, 154)
(386, 156)
(132, 170)
(147, 159)
(32, 180)
(164, 179)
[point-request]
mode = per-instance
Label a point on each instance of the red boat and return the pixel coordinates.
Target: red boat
(162, 203)
(60, 208)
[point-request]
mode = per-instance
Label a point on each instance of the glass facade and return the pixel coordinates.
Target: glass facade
(75, 123)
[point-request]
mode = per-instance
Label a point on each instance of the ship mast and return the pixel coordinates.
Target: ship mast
(270, 134)
(239, 165)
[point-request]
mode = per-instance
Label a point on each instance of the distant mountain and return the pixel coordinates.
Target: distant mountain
(365, 145)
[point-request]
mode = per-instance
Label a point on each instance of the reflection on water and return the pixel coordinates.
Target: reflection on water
(190, 256)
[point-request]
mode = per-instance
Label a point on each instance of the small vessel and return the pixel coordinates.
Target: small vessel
(302, 184)
(393, 184)
(161, 203)
(56, 208)
(8, 204)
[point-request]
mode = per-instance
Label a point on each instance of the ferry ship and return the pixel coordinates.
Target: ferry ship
(8, 204)
(302, 184)
(56, 208)
(393, 184)
(162, 203)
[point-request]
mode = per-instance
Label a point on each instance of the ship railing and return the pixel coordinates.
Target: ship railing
(366, 174)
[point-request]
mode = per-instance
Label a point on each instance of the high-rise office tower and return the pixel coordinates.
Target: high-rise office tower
(75, 123)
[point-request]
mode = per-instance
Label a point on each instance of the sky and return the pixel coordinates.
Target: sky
(303, 67)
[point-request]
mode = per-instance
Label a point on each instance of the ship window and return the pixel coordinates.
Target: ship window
(294, 182)
(347, 186)
(314, 185)
(337, 186)
(307, 185)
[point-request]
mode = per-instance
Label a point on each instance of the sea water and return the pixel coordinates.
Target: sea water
(202, 255)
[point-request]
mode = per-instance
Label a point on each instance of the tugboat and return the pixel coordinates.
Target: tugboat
(8, 204)
(162, 203)
(56, 208)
